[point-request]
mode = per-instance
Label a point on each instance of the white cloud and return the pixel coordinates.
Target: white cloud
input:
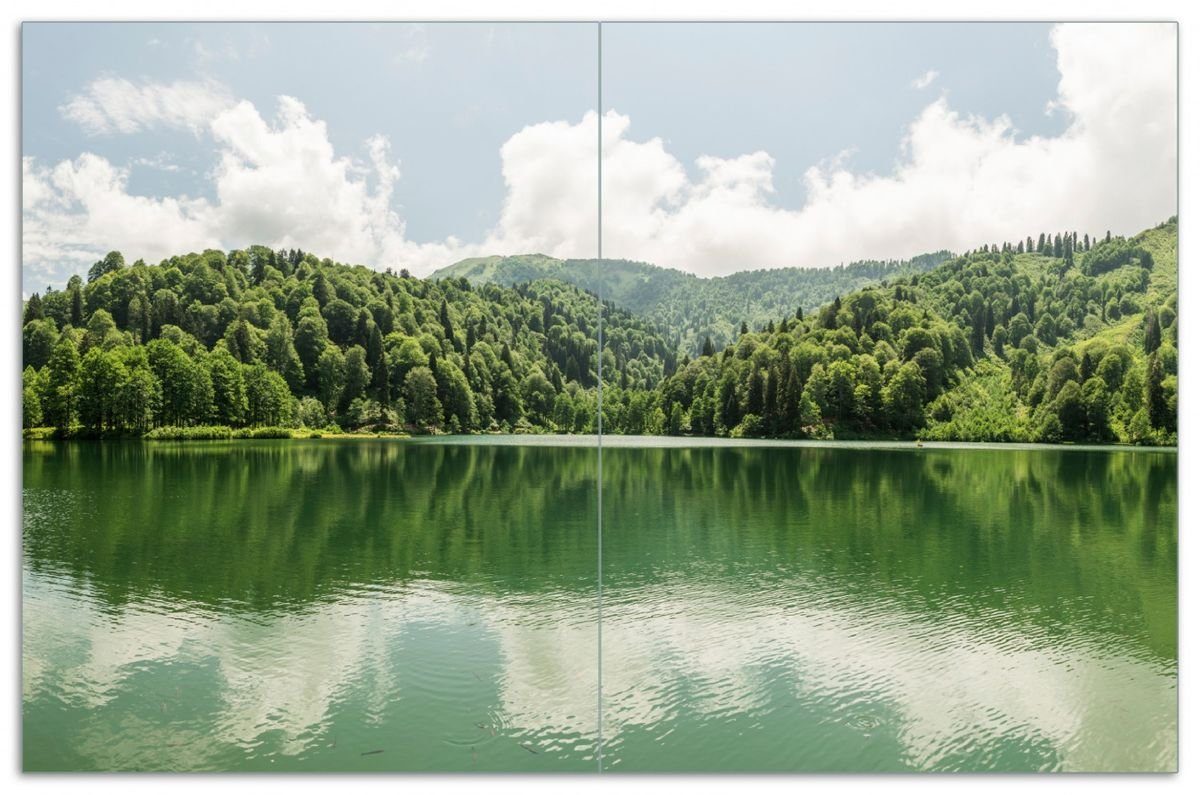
(276, 181)
(925, 80)
(878, 658)
(116, 105)
(81, 208)
(160, 162)
(959, 180)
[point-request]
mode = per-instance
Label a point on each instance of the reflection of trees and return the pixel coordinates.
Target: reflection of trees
(258, 524)
(1054, 534)
(1050, 532)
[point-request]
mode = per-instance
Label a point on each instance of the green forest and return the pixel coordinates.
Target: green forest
(1062, 338)
(686, 308)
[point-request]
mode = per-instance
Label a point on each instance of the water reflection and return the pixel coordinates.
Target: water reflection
(276, 606)
(383, 605)
(830, 609)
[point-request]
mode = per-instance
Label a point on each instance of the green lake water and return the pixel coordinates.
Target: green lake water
(432, 605)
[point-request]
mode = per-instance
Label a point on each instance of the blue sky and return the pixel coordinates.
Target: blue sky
(726, 146)
(805, 92)
(448, 95)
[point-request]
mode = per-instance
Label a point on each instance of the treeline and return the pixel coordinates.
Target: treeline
(1076, 341)
(997, 345)
(279, 338)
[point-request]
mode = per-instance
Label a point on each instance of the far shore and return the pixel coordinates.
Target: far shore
(619, 441)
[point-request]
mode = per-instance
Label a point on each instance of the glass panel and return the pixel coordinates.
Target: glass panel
(409, 582)
(817, 554)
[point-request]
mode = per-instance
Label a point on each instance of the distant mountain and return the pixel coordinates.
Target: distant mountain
(686, 307)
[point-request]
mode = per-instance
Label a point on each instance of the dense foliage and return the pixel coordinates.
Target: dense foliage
(1061, 340)
(265, 338)
(997, 345)
(686, 308)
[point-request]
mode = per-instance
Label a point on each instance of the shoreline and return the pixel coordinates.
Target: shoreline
(613, 441)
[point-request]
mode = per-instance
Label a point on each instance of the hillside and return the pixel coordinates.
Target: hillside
(685, 307)
(257, 337)
(1067, 339)
(1058, 341)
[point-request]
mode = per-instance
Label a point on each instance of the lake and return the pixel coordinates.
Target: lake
(432, 604)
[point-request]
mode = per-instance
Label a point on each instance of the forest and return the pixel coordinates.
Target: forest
(686, 308)
(1062, 339)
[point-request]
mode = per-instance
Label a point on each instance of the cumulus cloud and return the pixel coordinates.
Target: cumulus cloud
(115, 105)
(78, 209)
(925, 80)
(958, 181)
(277, 181)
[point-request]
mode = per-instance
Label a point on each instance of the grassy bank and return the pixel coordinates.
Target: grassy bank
(204, 433)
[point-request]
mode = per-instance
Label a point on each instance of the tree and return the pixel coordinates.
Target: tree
(331, 375)
(1049, 429)
(447, 325)
(1061, 372)
(420, 396)
(229, 388)
(839, 391)
(245, 342)
(1069, 407)
(112, 262)
(932, 368)
(1153, 332)
(755, 397)
(378, 364)
(675, 420)
(311, 414)
(38, 339)
(101, 331)
(537, 394)
(31, 399)
(33, 310)
(139, 398)
(187, 389)
(137, 318)
(101, 375)
(322, 291)
(340, 318)
(58, 383)
(356, 376)
(454, 391)
(281, 353)
(1095, 397)
(371, 414)
(312, 338)
(903, 397)
(268, 399)
(75, 289)
(1158, 412)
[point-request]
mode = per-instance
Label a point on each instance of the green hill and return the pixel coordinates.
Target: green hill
(688, 308)
(1029, 342)
(1066, 339)
(257, 337)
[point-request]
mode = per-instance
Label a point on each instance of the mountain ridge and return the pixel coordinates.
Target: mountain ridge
(689, 308)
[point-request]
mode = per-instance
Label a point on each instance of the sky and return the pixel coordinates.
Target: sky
(726, 146)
